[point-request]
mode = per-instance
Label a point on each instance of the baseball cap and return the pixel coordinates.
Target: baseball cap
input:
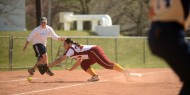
(43, 19)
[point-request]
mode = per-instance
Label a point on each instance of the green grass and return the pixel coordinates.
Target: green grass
(130, 52)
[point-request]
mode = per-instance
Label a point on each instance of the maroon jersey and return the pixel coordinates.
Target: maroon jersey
(78, 52)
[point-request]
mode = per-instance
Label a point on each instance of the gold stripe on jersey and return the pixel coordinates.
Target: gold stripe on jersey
(167, 10)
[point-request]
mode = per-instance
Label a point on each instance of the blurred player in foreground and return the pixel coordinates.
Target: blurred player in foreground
(39, 37)
(166, 36)
(87, 55)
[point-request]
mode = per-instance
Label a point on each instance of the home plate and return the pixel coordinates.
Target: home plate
(136, 74)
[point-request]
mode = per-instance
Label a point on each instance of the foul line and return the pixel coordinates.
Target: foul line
(79, 84)
(148, 73)
(131, 74)
(58, 88)
(74, 85)
(16, 80)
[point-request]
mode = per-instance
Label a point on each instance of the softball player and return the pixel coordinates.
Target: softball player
(87, 55)
(166, 36)
(39, 37)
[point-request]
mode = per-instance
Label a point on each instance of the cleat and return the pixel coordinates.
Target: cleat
(49, 72)
(94, 78)
(31, 71)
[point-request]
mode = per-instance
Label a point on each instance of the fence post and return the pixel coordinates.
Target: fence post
(87, 41)
(51, 50)
(116, 50)
(144, 50)
(10, 52)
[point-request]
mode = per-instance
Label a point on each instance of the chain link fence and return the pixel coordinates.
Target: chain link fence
(123, 50)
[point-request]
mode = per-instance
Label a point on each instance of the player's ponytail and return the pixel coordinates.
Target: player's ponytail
(70, 41)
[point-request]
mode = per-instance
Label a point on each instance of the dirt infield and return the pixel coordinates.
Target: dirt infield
(152, 82)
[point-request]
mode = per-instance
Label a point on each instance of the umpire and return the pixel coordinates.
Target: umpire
(166, 36)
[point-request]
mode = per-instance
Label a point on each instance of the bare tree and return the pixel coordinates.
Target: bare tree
(131, 15)
(140, 17)
(84, 6)
(30, 14)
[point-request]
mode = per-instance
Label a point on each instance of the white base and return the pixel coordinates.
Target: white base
(136, 74)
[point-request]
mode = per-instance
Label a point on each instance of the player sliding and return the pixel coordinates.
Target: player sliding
(87, 55)
(39, 37)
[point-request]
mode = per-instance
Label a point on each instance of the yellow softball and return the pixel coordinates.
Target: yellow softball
(29, 79)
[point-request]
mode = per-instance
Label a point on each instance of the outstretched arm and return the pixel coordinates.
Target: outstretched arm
(25, 46)
(57, 61)
(75, 65)
(30, 37)
(55, 36)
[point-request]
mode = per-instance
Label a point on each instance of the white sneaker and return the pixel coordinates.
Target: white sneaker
(94, 78)
(127, 74)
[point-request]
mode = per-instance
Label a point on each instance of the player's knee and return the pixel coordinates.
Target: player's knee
(84, 67)
(43, 59)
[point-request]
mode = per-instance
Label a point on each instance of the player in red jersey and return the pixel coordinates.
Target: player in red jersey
(87, 55)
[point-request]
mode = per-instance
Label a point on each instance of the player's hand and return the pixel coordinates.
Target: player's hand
(24, 48)
(62, 39)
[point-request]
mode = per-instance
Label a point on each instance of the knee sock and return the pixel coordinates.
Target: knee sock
(118, 68)
(91, 71)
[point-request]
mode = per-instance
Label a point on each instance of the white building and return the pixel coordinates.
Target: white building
(101, 24)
